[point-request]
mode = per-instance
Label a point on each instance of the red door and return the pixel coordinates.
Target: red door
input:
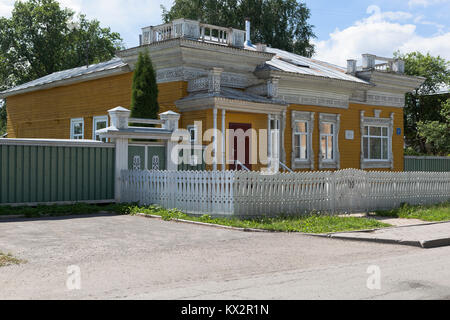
(240, 144)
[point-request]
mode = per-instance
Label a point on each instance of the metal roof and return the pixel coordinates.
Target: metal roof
(294, 63)
(282, 61)
(69, 74)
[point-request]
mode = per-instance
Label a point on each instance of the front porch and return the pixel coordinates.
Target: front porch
(238, 129)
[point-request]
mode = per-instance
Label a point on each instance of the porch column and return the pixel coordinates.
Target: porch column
(215, 139)
(224, 130)
(269, 140)
(171, 120)
(282, 132)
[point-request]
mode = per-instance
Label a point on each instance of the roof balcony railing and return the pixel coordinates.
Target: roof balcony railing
(386, 65)
(190, 29)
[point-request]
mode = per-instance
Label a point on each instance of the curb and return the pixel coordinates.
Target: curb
(378, 240)
(426, 244)
(217, 226)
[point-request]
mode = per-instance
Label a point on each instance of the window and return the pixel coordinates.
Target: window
(77, 129)
(376, 143)
(329, 157)
(302, 150)
(98, 124)
(327, 141)
(301, 140)
(192, 134)
(195, 151)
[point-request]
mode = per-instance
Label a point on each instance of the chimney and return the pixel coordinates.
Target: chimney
(261, 47)
(351, 66)
(368, 61)
(398, 66)
(247, 32)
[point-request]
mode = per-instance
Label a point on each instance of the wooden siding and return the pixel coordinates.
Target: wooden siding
(350, 120)
(47, 113)
(350, 150)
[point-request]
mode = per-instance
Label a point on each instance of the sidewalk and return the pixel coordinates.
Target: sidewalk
(430, 235)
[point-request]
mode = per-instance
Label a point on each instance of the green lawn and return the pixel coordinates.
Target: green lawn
(440, 212)
(7, 260)
(313, 223)
(62, 210)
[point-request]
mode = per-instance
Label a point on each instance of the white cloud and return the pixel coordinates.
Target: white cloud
(125, 17)
(6, 7)
(382, 33)
(377, 15)
(425, 3)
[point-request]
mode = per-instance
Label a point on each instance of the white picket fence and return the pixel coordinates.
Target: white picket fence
(252, 193)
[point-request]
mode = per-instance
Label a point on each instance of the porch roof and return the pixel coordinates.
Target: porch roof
(232, 94)
(231, 99)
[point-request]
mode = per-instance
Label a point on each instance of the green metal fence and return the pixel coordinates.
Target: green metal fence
(52, 171)
(430, 164)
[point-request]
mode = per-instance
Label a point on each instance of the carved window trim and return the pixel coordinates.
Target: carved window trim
(334, 119)
(309, 118)
(380, 122)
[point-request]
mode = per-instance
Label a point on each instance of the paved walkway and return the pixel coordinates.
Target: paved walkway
(125, 257)
(396, 222)
(425, 235)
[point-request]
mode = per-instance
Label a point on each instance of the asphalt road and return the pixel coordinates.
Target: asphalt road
(124, 257)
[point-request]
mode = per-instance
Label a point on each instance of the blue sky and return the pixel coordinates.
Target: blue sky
(345, 29)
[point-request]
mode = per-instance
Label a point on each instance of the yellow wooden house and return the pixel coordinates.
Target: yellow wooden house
(328, 117)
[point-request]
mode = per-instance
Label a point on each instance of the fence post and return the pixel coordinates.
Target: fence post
(119, 119)
(333, 191)
(171, 120)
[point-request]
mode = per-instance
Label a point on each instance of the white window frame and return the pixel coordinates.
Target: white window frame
(369, 137)
(73, 122)
(335, 120)
(94, 122)
(308, 117)
(377, 122)
(331, 135)
(301, 135)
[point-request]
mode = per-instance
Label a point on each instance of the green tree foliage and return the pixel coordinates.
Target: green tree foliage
(41, 38)
(424, 105)
(280, 24)
(144, 95)
(437, 133)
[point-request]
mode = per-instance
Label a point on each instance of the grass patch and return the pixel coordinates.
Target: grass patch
(439, 212)
(8, 260)
(313, 223)
(63, 210)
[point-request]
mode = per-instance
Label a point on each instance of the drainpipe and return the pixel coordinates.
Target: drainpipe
(248, 41)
